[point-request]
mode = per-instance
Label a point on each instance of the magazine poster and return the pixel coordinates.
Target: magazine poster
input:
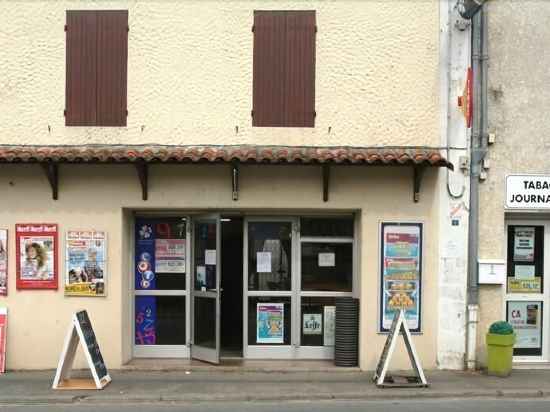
(312, 324)
(3, 262)
(270, 323)
(36, 253)
(525, 318)
(401, 265)
(524, 244)
(86, 256)
(170, 255)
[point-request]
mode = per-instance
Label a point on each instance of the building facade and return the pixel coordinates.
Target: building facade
(514, 190)
(206, 178)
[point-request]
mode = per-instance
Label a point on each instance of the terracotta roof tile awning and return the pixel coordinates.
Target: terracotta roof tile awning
(249, 154)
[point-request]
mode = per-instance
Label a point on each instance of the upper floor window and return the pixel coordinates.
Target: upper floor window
(284, 69)
(97, 58)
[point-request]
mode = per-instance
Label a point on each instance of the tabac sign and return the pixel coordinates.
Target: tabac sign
(528, 192)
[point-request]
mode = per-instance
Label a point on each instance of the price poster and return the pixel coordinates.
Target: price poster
(401, 268)
(36, 250)
(3, 262)
(524, 244)
(86, 255)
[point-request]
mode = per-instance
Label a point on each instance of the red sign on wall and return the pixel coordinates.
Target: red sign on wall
(465, 101)
(36, 250)
(3, 338)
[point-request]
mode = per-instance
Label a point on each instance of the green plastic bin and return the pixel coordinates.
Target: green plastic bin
(500, 350)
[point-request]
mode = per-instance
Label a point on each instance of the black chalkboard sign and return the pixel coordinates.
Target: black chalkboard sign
(91, 344)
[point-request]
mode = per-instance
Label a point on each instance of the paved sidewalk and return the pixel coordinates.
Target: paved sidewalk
(198, 386)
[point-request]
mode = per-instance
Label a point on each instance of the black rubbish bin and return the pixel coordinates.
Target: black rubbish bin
(346, 339)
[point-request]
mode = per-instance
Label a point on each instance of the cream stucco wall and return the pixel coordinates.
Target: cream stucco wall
(519, 119)
(98, 197)
(190, 73)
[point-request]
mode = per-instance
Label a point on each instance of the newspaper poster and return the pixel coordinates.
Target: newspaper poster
(36, 253)
(524, 244)
(330, 325)
(270, 323)
(86, 255)
(3, 262)
(525, 318)
(401, 268)
(170, 255)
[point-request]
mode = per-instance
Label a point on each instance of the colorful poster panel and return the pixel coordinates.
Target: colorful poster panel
(270, 323)
(3, 262)
(401, 268)
(3, 338)
(36, 250)
(86, 256)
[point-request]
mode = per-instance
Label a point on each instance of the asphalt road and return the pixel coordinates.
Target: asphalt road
(444, 405)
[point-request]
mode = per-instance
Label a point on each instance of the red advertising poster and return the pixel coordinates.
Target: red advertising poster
(3, 338)
(36, 251)
(3, 262)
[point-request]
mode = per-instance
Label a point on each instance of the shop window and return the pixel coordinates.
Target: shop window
(96, 68)
(525, 259)
(526, 319)
(269, 256)
(160, 320)
(327, 266)
(160, 253)
(284, 69)
(317, 326)
(269, 320)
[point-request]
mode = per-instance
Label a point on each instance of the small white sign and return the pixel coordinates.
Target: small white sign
(492, 272)
(527, 192)
(524, 272)
(327, 260)
(210, 257)
(263, 262)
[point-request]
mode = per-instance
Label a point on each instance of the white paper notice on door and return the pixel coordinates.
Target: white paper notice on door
(327, 260)
(524, 272)
(210, 257)
(328, 331)
(263, 262)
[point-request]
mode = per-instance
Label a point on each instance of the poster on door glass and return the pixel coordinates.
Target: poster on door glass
(36, 250)
(524, 244)
(3, 262)
(401, 267)
(85, 254)
(270, 323)
(170, 255)
(525, 318)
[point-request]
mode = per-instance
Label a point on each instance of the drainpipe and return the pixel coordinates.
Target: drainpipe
(478, 150)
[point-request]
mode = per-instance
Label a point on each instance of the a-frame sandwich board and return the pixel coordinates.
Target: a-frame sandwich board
(80, 330)
(381, 377)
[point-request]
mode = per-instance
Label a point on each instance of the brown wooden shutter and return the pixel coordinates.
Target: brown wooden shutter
(300, 69)
(284, 69)
(81, 55)
(112, 60)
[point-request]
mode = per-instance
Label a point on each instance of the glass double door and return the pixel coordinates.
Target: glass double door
(206, 291)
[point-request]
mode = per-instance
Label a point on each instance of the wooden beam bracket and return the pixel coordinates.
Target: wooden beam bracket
(143, 174)
(51, 170)
(325, 169)
(418, 174)
(235, 179)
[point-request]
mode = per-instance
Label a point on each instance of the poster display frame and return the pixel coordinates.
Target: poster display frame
(381, 282)
(32, 229)
(4, 256)
(105, 274)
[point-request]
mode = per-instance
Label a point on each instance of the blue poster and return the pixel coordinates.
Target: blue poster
(146, 316)
(145, 255)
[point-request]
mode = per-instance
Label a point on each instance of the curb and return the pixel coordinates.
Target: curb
(388, 394)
